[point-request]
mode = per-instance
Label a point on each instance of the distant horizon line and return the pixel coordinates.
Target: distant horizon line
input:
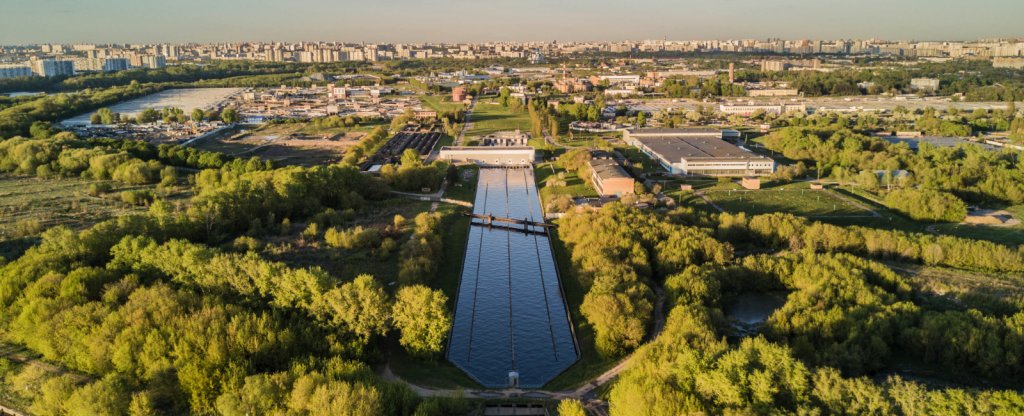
(105, 43)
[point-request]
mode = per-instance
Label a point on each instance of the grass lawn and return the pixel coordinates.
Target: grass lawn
(441, 103)
(445, 140)
(894, 221)
(455, 229)
(574, 186)
(438, 372)
(581, 138)
(489, 118)
(689, 199)
(1003, 235)
(796, 199)
(465, 188)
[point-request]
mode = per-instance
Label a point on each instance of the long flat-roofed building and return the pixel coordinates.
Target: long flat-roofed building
(488, 156)
(749, 109)
(698, 152)
(609, 178)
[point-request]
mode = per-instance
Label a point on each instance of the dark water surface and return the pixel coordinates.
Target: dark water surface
(750, 310)
(510, 315)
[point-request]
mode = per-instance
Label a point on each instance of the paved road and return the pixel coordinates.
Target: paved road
(467, 122)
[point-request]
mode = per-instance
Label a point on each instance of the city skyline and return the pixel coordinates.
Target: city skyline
(453, 21)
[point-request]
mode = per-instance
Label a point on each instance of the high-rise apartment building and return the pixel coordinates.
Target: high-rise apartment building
(52, 67)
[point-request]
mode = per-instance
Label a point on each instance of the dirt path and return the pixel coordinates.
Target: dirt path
(857, 204)
(709, 201)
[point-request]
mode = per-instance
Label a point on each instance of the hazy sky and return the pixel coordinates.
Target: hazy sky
(101, 21)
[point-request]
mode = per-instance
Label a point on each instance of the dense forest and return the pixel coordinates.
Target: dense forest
(174, 310)
(845, 316)
(161, 312)
(970, 172)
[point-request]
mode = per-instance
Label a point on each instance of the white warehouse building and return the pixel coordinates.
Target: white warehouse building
(699, 152)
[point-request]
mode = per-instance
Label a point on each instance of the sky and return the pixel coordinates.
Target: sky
(148, 21)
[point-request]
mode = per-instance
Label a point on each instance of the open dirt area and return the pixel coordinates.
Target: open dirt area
(998, 218)
(287, 144)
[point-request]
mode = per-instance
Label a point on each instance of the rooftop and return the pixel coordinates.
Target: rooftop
(608, 169)
(676, 131)
(487, 148)
(691, 148)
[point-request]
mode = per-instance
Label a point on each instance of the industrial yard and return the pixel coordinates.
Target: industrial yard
(298, 144)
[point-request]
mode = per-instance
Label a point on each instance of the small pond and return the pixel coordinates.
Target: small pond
(748, 311)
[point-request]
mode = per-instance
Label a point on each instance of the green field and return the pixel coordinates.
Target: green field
(574, 186)
(796, 199)
(1004, 235)
(1012, 235)
(29, 205)
(570, 138)
(489, 118)
(297, 251)
(441, 103)
(465, 188)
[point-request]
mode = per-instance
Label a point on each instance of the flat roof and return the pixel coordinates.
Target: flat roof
(669, 132)
(693, 148)
(608, 169)
(487, 148)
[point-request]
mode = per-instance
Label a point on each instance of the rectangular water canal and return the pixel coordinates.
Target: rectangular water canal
(510, 314)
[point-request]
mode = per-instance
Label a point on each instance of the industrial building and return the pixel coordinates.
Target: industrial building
(751, 108)
(698, 152)
(609, 178)
(773, 92)
(631, 134)
(489, 156)
(506, 139)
